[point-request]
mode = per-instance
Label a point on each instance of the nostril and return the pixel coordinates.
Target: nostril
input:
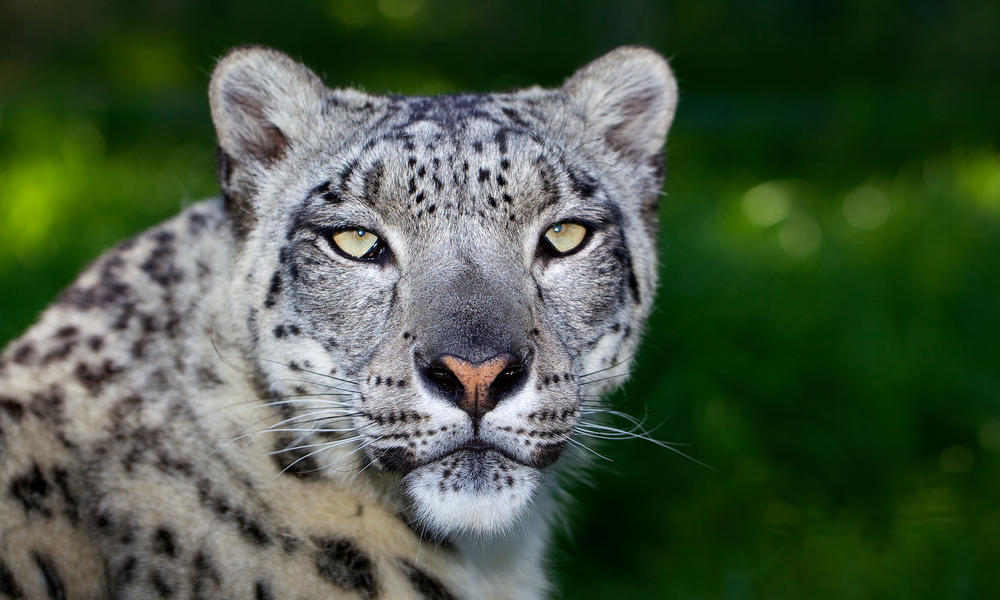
(443, 380)
(509, 380)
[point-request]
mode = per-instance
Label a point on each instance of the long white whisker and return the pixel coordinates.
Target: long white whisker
(316, 373)
(617, 364)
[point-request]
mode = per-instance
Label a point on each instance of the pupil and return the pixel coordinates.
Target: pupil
(557, 227)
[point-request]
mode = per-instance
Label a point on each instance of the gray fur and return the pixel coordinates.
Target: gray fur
(227, 405)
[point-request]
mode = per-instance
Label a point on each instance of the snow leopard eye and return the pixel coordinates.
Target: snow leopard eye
(565, 237)
(358, 243)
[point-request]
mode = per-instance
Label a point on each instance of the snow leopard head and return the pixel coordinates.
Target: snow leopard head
(429, 284)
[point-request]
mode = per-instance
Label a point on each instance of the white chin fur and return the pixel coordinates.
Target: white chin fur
(471, 492)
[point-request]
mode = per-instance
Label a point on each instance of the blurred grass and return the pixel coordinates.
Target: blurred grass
(827, 320)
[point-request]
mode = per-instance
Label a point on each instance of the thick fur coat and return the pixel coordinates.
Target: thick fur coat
(360, 371)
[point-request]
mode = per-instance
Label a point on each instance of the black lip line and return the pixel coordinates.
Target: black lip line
(477, 445)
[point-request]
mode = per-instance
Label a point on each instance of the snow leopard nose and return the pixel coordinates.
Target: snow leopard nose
(476, 388)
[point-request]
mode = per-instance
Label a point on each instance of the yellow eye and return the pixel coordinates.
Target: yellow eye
(565, 237)
(356, 243)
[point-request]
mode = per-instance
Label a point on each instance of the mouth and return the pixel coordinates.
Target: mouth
(476, 446)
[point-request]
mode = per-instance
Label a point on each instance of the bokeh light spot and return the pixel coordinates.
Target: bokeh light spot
(978, 179)
(956, 459)
(399, 9)
(866, 208)
(356, 13)
(989, 436)
(767, 203)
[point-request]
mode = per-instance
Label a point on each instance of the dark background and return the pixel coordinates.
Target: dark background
(828, 317)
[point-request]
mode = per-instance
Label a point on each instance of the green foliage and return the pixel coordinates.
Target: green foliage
(827, 321)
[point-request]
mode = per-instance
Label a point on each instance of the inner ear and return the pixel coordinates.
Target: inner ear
(628, 97)
(263, 103)
(259, 137)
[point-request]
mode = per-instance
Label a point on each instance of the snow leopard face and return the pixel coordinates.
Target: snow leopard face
(430, 284)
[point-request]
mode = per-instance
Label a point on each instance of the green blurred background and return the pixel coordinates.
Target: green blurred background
(827, 324)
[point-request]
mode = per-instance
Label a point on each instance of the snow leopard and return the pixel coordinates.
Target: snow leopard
(365, 368)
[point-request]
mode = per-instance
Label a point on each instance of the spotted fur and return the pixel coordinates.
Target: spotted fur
(229, 406)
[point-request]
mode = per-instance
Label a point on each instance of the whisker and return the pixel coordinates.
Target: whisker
(316, 373)
(587, 448)
(617, 364)
(329, 444)
(317, 384)
(618, 434)
(601, 379)
(324, 411)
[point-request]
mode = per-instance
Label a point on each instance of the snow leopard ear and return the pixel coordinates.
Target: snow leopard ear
(628, 96)
(263, 103)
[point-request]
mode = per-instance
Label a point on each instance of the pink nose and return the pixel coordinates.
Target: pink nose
(476, 380)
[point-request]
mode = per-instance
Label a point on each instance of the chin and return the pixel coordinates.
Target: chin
(471, 492)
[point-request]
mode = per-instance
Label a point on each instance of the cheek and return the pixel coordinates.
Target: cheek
(584, 297)
(350, 309)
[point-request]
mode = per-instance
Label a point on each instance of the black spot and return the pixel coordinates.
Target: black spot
(419, 198)
(622, 254)
(501, 180)
(346, 174)
(159, 265)
(514, 116)
(500, 137)
(53, 582)
(279, 331)
(125, 574)
(431, 209)
(625, 258)
(504, 164)
(247, 526)
(208, 377)
(319, 189)
(61, 478)
(160, 584)
(582, 184)
(484, 174)
(426, 586)
(341, 563)
(164, 542)
(30, 490)
(373, 181)
(411, 161)
(262, 591)
(60, 352)
(67, 331)
(196, 222)
(95, 377)
(477, 146)
(492, 201)
(24, 353)
(8, 585)
(273, 291)
(204, 573)
(13, 408)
